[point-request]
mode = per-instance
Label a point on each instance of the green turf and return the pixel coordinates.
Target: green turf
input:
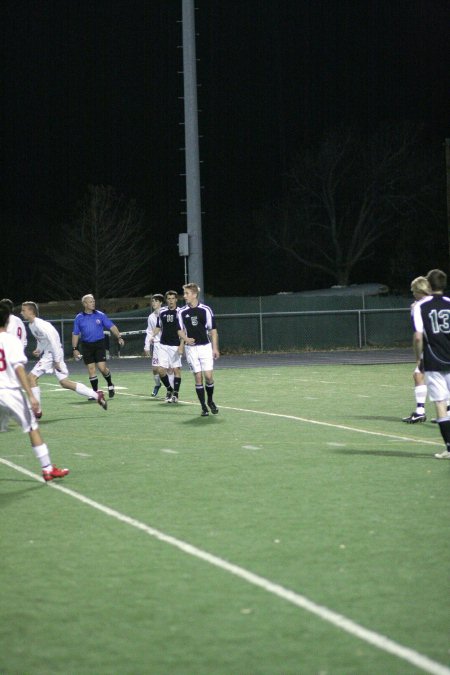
(354, 521)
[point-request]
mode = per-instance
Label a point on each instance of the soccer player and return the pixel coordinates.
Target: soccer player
(199, 334)
(15, 327)
(15, 324)
(431, 317)
(13, 379)
(51, 357)
(151, 344)
(420, 288)
(88, 327)
(170, 346)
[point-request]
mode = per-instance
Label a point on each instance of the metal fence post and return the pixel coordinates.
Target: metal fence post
(261, 331)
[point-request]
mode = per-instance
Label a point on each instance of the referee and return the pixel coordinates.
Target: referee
(88, 328)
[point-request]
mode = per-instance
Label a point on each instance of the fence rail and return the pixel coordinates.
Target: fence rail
(277, 331)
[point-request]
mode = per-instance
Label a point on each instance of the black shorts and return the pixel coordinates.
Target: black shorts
(94, 352)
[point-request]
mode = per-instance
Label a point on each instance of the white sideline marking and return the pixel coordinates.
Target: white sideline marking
(333, 426)
(339, 620)
(395, 437)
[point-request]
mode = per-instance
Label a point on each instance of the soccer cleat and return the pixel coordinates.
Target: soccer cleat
(442, 455)
(54, 472)
(155, 390)
(38, 415)
(169, 394)
(212, 406)
(175, 397)
(205, 412)
(111, 391)
(414, 418)
(101, 400)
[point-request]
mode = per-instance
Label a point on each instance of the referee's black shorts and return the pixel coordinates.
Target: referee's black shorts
(94, 352)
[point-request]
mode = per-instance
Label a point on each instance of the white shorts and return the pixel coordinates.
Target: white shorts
(46, 366)
(169, 356)
(155, 354)
(438, 384)
(199, 358)
(15, 401)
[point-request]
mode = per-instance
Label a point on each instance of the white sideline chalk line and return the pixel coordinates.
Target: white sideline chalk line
(339, 620)
(307, 420)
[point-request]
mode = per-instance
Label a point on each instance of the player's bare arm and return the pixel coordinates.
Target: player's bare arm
(214, 335)
(418, 345)
(115, 331)
(187, 340)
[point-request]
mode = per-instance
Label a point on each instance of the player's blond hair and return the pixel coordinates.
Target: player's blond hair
(195, 288)
(34, 306)
(421, 285)
(85, 297)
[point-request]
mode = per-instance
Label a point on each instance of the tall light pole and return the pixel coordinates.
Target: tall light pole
(193, 200)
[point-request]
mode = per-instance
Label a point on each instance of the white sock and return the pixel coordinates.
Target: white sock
(171, 379)
(157, 380)
(420, 392)
(36, 393)
(41, 452)
(82, 390)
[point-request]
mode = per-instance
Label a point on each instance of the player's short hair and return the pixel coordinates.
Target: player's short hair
(34, 306)
(195, 288)
(421, 285)
(437, 279)
(85, 297)
(158, 296)
(7, 301)
(167, 293)
(4, 313)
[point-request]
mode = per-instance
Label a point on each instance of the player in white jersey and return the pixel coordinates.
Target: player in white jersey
(420, 288)
(51, 357)
(12, 399)
(15, 325)
(151, 344)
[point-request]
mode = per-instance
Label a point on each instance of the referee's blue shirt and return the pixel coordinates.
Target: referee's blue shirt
(91, 326)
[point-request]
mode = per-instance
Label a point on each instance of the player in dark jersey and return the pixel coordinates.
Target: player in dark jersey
(170, 346)
(199, 333)
(431, 318)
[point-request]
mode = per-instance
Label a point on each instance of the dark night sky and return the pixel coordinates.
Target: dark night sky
(92, 96)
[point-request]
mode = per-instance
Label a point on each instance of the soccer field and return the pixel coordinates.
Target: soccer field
(303, 530)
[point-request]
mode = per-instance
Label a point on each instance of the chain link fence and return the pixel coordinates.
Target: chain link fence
(275, 331)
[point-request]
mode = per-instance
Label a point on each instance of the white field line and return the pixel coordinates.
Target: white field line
(371, 637)
(296, 418)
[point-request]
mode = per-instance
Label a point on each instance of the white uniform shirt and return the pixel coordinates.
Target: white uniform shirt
(17, 327)
(11, 355)
(47, 338)
(151, 324)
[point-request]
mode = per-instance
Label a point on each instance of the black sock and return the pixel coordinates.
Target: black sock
(94, 382)
(200, 393)
(108, 378)
(444, 428)
(210, 391)
(176, 383)
(166, 382)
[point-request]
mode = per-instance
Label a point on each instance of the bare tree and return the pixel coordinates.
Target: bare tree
(105, 248)
(347, 194)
